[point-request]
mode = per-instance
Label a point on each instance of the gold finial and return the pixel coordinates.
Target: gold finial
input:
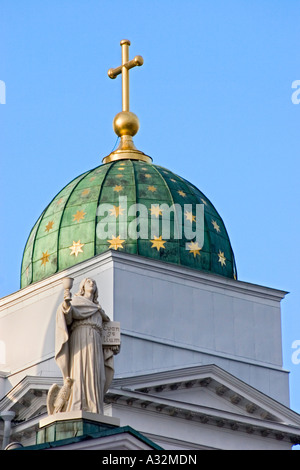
(126, 124)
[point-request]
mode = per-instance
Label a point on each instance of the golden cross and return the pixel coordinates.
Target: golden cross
(124, 70)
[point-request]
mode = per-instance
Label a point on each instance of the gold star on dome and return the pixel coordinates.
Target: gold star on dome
(76, 248)
(152, 188)
(204, 202)
(172, 179)
(222, 258)
(121, 168)
(147, 175)
(116, 243)
(78, 216)
(118, 188)
(60, 201)
(216, 226)
(85, 192)
(45, 258)
(155, 210)
(182, 193)
(158, 242)
(49, 226)
(92, 178)
(116, 211)
(189, 216)
(194, 248)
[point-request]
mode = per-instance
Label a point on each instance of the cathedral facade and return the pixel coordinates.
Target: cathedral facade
(200, 362)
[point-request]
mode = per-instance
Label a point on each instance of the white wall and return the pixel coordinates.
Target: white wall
(172, 317)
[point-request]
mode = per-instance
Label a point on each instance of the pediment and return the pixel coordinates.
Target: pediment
(205, 391)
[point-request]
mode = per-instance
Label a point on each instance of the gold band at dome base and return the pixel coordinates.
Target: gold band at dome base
(127, 155)
(126, 151)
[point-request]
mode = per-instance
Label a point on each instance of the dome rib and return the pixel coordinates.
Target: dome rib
(98, 202)
(175, 213)
(136, 198)
(84, 175)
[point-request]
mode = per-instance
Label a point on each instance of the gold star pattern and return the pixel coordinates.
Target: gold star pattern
(172, 179)
(118, 188)
(116, 243)
(78, 216)
(76, 248)
(204, 202)
(116, 211)
(182, 193)
(189, 216)
(60, 201)
(92, 178)
(155, 210)
(45, 258)
(121, 168)
(194, 248)
(158, 242)
(147, 175)
(120, 176)
(216, 226)
(222, 258)
(85, 192)
(49, 226)
(152, 188)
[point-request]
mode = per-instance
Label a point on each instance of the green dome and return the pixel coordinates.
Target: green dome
(69, 230)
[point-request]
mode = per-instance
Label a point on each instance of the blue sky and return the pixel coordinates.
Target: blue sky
(214, 99)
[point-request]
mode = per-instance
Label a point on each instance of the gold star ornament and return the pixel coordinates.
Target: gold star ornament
(158, 243)
(216, 226)
(189, 216)
(49, 226)
(222, 258)
(116, 211)
(76, 248)
(45, 258)
(155, 210)
(78, 216)
(85, 192)
(115, 243)
(194, 248)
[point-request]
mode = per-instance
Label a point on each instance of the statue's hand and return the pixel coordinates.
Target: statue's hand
(67, 301)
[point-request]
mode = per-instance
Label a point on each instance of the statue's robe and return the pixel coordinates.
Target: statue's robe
(80, 355)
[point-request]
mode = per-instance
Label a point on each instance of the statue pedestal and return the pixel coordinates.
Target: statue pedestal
(73, 424)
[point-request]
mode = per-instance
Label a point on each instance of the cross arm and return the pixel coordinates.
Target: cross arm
(137, 61)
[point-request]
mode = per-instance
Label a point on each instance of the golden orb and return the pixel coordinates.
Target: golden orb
(126, 123)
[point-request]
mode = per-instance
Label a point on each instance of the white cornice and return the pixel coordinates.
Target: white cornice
(128, 260)
(198, 373)
(172, 408)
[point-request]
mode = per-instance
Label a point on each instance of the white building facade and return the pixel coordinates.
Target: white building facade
(200, 365)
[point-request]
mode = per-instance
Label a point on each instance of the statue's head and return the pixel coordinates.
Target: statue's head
(87, 287)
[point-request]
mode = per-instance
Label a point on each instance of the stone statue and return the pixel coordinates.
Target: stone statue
(83, 355)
